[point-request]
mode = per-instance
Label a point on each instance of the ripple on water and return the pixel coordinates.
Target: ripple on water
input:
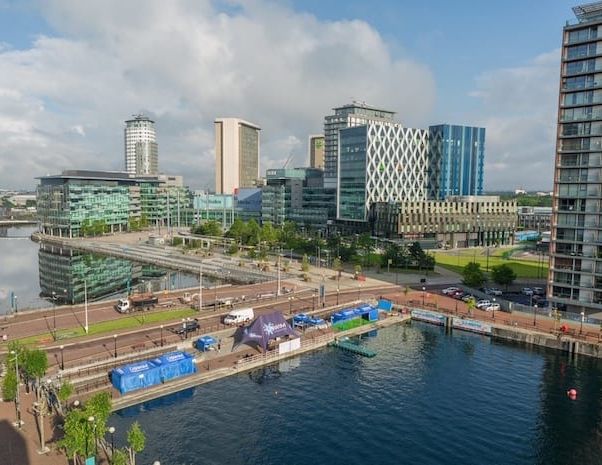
(427, 398)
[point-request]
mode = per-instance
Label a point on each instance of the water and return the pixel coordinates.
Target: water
(42, 275)
(426, 398)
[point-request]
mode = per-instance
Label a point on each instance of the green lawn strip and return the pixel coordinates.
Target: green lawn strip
(351, 324)
(110, 326)
(522, 268)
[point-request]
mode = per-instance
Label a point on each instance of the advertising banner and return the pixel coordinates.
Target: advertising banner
(471, 325)
(428, 316)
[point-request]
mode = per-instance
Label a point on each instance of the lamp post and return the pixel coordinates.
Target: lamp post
(161, 335)
(582, 320)
(112, 433)
(86, 306)
(338, 290)
(493, 308)
(115, 344)
(62, 359)
(17, 397)
(535, 315)
(53, 316)
(290, 305)
(15, 302)
(423, 293)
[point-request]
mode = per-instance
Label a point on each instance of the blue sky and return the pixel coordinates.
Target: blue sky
(75, 70)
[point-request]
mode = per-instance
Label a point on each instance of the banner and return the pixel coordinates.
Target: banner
(428, 316)
(471, 325)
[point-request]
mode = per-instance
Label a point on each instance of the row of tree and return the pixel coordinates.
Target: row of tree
(32, 364)
(474, 276)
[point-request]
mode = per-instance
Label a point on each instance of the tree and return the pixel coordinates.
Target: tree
(337, 265)
(120, 457)
(34, 364)
(305, 263)
(269, 234)
(471, 304)
(9, 384)
(503, 275)
(65, 391)
(472, 275)
(208, 228)
(237, 230)
(136, 441)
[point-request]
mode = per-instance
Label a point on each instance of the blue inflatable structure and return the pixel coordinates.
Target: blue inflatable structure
(367, 312)
(147, 373)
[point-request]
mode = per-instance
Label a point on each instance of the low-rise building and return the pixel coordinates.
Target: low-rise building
(463, 221)
(536, 218)
(77, 202)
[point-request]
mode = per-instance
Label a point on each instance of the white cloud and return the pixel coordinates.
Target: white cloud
(519, 110)
(185, 63)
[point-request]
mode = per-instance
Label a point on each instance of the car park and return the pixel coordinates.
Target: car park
(493, 307)
(483, 304)
(527, 291)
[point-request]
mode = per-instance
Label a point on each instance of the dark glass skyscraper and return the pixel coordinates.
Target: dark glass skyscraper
(456, 157)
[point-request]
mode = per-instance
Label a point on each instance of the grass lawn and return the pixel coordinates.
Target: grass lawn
(523, 268)
(135, 320)
(345, 325)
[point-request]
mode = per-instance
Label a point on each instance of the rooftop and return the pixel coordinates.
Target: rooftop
(97, 176)
(139, 117)
(588, 11)
(363, 105)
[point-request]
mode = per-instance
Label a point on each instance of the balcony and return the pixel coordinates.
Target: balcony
(583, 117)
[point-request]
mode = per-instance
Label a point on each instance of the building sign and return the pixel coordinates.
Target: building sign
(428, 316)
(471, 325)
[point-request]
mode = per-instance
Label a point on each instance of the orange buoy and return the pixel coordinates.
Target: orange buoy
(572, 393)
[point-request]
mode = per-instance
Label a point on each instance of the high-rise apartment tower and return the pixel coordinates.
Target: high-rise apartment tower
(316, 151)
(141, 151)
(236, 154)
(575, 276)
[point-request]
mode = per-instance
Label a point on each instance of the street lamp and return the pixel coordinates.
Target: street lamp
(338, 290)
(493, 308)
(423, 293)
(535, 315)
(582, 319)
(17, 397)
(112, 433)
(290, 305)
(161, 335)
(62, 359)
(115, 344)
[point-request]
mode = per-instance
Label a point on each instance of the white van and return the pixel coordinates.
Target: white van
(242, 315)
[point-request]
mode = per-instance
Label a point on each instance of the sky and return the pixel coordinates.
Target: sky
(72, 71)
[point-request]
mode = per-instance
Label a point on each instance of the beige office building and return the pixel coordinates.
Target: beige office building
(236, 154)
(316, 151)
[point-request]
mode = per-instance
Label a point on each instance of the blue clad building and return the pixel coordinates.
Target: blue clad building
(456, 157)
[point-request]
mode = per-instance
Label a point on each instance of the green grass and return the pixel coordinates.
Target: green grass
(523, 268)
(345, 325)
(110, 326)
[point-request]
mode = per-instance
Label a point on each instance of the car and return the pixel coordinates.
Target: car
(188, 326)
(493, 291)
(458, 295)
(493, 307)
(450, 290)
(483, 303)
(527, 291)
(538, 291)
(467, 297)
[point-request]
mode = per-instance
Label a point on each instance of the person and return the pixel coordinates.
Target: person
(219, 346)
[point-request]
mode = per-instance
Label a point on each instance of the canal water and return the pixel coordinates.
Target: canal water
(426, 398)
(40, 276)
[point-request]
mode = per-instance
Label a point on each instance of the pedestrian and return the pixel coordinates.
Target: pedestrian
(219, 346)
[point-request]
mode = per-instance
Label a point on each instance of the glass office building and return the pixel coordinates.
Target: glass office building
(379, 162)
(456, 158)
(575, 276)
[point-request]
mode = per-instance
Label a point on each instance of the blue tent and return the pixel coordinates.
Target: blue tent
(204, 343)
(385, 305)
(175, 364)
(135, 376)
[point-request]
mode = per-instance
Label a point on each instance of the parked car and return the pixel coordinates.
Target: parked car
(467, 297)
(188, 326)
(539, 291)
(492, 307)
(450, 290)
(458, 295)
(483, 304)
(527, 291)
(493, 291)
